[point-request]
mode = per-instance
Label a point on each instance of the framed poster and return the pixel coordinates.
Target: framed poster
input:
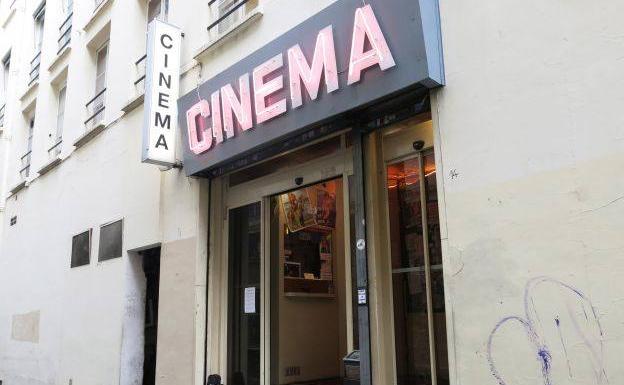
(298, 210)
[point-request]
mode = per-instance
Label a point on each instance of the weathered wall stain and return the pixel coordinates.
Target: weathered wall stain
(567, 315)
(25, 327)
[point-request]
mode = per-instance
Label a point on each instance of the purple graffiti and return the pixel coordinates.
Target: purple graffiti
(581, 324)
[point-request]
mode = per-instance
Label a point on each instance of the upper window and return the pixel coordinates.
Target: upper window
(157, 9)
(39, 17)
(4, 86)
(60, 114)
(31, 133)
(25, 159)
(81, 249)
(35, 63)
(229, 13)
(224, 7)
(97, 105)
(55, 150)
(111, 237)
(100, 71)
(68, 5)
(65, 29)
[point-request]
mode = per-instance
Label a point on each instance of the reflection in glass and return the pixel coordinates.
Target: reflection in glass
(416, 253)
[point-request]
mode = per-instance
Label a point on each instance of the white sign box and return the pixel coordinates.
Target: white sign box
(250, 300)
(162, 78)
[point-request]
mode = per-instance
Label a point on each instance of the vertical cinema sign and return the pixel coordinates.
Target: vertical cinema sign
(162, 76)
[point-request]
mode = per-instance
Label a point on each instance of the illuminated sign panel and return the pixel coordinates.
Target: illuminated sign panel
(162, 76)
(345, 57)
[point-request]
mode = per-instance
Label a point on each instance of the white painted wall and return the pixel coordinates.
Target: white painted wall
(83, 311)
(529, 122)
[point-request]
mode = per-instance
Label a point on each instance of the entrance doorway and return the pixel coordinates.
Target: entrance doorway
(289, 291)
(414, 249)
(286, 251)
(308, 285)
(151, 269)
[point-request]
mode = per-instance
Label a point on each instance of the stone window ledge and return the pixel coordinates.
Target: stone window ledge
(89, 135)
(17, 188)
(133, 103)
(97, 12)
(59, 58)
(49, 166)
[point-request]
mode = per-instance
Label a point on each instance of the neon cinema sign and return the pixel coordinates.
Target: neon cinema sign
(225, 106)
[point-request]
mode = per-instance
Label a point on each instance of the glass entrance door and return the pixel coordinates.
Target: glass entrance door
(244, 306)
(283, 250)
(310, 283)
(417, 282)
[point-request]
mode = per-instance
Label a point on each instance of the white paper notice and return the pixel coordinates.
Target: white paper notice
(250, 300)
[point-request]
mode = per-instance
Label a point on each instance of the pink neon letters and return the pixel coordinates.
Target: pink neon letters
(269, 103)
(233, 106)
(300, 71)
(263, 89)
(200, 139)
(366, 26)
(217, 128)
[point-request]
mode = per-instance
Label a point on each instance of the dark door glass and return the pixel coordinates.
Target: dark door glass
(244, 296)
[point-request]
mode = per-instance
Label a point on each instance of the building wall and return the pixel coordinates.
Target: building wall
(528, 140)
(530, 144)
(86, 329)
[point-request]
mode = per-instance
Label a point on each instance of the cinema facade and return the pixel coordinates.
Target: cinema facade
(319, 149)
(322, 153)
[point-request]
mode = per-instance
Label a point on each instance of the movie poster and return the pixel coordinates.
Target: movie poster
(298, 210)
(325, 208)
(325, 252)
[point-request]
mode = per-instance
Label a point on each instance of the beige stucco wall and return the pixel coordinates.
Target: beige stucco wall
(176, 329)
(530, 146)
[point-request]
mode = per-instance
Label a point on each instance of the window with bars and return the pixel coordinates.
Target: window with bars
(68, 6)
(156, 9)
(4, 85)
(55, 150)
(35, 63)
(39, 17)
(6, 67)
(229, 13)
(100, 71)
(66, 26)
(25, 159)
(97, 105)
(225, 6)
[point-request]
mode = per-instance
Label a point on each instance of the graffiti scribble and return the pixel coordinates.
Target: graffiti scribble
(582, 324)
